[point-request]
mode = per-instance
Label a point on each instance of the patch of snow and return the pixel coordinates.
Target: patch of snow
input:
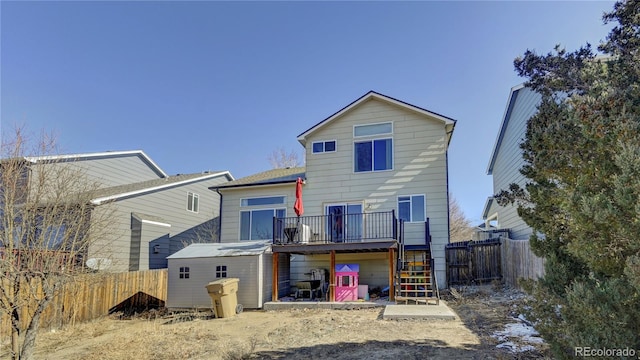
(518, 336)
(514, 347)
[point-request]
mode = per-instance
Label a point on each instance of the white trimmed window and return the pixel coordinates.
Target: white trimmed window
(373, 129)
(323, 146)
(374, 154)
(193, 202)
(184, 272)
(412, 208)
(265, 200)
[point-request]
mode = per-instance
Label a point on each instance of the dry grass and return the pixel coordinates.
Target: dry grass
(293, 334)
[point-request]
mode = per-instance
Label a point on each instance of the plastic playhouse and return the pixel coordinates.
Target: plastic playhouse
(347, 282)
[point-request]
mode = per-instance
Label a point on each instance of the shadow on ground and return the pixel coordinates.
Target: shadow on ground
(429, 349)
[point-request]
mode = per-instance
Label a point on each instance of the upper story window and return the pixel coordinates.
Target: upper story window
(412, 208)
(323, 146)
(266, 200)
(375, 154)
(373, 129)
(192, 202)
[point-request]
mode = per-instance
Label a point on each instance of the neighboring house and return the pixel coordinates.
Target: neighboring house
(152, 214)
(506, 161)
(375, 162)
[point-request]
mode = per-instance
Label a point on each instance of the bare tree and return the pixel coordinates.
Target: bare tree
(279, 158)
(460, 228)
(46, 228)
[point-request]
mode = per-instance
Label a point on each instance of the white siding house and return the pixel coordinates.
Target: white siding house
(506, 161)
(378, 156)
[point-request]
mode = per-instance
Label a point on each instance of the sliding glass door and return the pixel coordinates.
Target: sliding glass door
(344, 222)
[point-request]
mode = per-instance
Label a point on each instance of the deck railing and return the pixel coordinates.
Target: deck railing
(342, 228)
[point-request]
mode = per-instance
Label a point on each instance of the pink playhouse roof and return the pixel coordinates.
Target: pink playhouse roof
(347, 268)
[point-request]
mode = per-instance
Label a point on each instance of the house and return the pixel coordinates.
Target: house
(193, 267)
(151, 214)
(506, 161)
(375, 194)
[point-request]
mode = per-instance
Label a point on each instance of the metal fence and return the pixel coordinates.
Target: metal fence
(473, 262)
(335, 228)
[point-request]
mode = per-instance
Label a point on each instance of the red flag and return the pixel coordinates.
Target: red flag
(298, 207)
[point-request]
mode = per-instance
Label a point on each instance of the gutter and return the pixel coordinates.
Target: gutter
(219, 216)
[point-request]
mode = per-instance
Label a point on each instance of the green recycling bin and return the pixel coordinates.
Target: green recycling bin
(224, 297)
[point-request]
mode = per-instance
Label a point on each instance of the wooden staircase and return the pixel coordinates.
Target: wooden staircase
(414, 282)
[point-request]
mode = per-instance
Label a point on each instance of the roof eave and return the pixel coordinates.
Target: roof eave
(103, 199)
(302, 138)
(34, 159)
(503, 126)
(221, 188)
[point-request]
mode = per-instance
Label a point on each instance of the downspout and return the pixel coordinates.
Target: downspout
(219, 216)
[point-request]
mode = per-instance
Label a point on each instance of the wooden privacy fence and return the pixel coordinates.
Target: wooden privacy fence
(519, 262)
(91, 296)
(473, 261)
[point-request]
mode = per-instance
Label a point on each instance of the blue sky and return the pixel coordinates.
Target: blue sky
(219, 85)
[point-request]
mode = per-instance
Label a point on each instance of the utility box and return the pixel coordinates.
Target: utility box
(224, 297)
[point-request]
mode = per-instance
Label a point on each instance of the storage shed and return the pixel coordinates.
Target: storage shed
(193, 267)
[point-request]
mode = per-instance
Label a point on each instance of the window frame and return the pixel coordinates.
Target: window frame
(375, 134)
(324, 146)
(373, 151)
(247, 199)
(183, 272)
(221, 271)
(250, 211)
(411, 207)
(193, 202)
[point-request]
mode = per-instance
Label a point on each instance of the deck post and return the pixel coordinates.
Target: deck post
(392, 257)
(274, 278)
(332, 276)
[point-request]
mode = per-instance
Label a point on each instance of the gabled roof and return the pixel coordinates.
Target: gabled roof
(122, 191)
(270, 177)
(513, 95)
(105, 154)
(487, 206)
(449, 122)
(205, 250)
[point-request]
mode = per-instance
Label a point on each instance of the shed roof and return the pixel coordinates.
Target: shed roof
(223, 249)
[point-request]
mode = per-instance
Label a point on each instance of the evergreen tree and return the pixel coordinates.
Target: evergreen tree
(582, 197)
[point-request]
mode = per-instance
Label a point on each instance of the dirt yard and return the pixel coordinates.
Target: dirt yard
(300, 334)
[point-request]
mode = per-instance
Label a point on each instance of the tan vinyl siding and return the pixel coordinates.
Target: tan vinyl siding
(374, 267)
(419, 167)
(231, 203)
(508, 163)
